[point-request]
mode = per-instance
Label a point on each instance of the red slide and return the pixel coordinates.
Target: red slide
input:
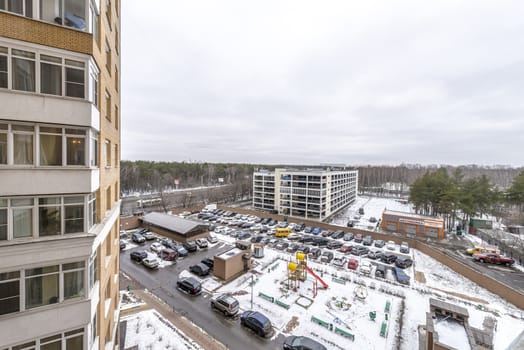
(317, 277)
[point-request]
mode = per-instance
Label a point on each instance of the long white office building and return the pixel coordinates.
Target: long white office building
(310, 193)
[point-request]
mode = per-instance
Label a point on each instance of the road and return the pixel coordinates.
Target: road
(162, 282)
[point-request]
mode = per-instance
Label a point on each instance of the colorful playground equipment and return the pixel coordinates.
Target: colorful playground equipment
(297, 271)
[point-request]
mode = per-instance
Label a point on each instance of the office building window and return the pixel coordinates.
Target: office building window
(74, 214)
(73, 279)
(49, 216)
(41, 286)
(22, 216)
(23, 63)
(51, 75)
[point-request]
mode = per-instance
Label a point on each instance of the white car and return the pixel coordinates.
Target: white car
(211, 238)
(151, 262)
(156, 247)
(339, 261)
(201, 243)
(148, 235)
(390, 245)
(365, 267)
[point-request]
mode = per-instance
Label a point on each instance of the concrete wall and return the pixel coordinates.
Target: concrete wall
(227, 269)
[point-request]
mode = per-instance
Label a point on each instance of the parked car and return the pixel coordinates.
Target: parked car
(292, 248)
(316, 230)
(302, 343)
(359, 250)
(375, 254)
(379, 243)
(148, 235)
(257, 239)
(388, 258)
(390, 245)
(493, 258)
(180, 250)
(208, 262)
(212, 238)
(201, 243)
(326, 257)
(346, 248)
(123, 245)
(315, 253)
(368, 240)
(401, 276)
(320, 241)
(337, 234)
(226, 304)
(189, 285)
(352, 264)
(304, 249)
(306, 239)
(307, 229)
(244, 235)
(404, 247)
(199, 269)
(372, 219)
(257, 322)
(166, 242)
(156, 247)
(151, 262)
(339, 261)
(190, 246)
(403, 262)
(168, 254)
(282, 245)
(138, 255)
(365, 267)
(334, 244)
(348, 236)
(380, 271)
(138, 238)
(358, 238)
(293, 237)
(327, 233)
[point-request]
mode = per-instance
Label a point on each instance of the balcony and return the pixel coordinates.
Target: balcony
(22, 181)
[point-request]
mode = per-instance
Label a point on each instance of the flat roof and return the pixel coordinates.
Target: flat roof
(451, 333)
(412, 215)
(172, 223)
(230, 253)
(448, 306)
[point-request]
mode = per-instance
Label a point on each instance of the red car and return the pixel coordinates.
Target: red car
(346, 248)
(493, 258)
(352, 264)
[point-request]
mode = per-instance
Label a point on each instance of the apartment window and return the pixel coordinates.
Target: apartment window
(51, 75)
(94, 150)
(22, 216)
(49, 216)
(9, 292)
(23, 136)
(76, 146)
(3, 143)
(21, 7)
(117, 41)
(75, 339)
(51, 343)
(94, 88)
(117, 117)
(116, 155)
(3, 66)
(74, 214)
(41, 286)
(116, 78)
(3, 219)
(108, 105)
(91, 215)
(70, 13)
(108, 12)
(93, 270)
(75, 78)
(50, 146)
(108, 198)
(95, 22)
(108, 153)
(73, 279)
(108, 57)
(23, 63)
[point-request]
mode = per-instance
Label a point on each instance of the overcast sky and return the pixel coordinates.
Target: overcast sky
(309, 82)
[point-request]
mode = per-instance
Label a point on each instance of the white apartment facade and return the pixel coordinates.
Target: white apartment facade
(59, 171)
(313, 194)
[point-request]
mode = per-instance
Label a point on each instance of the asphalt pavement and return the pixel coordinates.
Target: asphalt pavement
(162, 283)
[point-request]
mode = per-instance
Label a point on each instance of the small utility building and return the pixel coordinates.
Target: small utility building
(232, 263)
(174, 227)
(409, 223)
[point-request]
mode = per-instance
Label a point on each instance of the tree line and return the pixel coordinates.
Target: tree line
(455, 197)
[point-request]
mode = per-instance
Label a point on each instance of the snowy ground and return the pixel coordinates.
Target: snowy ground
(373, 207)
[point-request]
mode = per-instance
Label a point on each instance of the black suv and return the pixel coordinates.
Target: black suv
(257, 322)
(320, 241)
(333, 244)
(138, 255)
(208, 262)
(337, 234)
(403, 262)
(302, 343)
(199, 269)
(388, 258)
(189, 285)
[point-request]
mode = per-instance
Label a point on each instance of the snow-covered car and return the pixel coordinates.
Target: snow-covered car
(151, 262)
(148, 235)
(339, 261)
(201, 243)
(212, 239)
(156, 247)
(365, 267)
(390, 245)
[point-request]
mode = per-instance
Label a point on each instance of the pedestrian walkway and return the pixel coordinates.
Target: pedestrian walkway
(180, 322)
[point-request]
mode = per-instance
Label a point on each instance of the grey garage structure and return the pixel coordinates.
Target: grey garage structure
(174, 227)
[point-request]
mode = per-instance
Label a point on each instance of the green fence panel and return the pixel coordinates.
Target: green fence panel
(267, 297)
(344, 333)
(383, 329)
(281, 303)
(322, 323)
(388, 306)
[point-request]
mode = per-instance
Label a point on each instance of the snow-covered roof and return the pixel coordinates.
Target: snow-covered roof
(413, 216)
(230, 253)
(451, 333)
(172, 223)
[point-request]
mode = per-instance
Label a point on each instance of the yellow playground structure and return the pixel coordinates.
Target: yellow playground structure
(297, 271)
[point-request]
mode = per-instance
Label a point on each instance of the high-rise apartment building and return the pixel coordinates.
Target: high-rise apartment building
(59, 173)
(311, 194)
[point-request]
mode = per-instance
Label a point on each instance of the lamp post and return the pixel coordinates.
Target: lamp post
(252, 283)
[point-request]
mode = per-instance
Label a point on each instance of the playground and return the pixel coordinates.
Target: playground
(306, 298)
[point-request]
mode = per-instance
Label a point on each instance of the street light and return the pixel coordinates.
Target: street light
(252, 283)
